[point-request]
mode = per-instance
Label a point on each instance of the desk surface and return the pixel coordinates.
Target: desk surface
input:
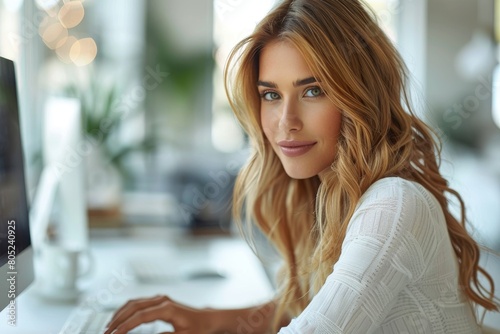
(112, 282)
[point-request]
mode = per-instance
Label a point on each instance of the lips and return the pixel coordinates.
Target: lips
(294, 148)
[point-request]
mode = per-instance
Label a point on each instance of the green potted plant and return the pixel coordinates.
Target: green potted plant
(105, 168)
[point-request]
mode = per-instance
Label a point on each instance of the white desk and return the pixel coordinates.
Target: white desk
(112, 282)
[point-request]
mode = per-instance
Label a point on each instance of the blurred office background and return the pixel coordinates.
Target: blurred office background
(160, 143)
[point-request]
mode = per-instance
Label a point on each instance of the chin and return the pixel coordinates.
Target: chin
(294, 173)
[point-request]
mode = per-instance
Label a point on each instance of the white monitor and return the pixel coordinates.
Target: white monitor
(16, 255)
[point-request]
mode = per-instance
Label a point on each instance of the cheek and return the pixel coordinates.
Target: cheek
(266, 124)
(334, 121)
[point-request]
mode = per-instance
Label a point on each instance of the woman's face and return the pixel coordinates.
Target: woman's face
(299, 120)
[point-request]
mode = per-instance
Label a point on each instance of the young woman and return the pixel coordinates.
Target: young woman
(344, 181)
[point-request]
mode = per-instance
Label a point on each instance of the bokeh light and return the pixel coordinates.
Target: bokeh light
(55, 30)
(83, 51)
(71, 14)
(63, 51)
(53, 33)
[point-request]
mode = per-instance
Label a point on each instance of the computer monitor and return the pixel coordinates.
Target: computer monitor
(16, 254)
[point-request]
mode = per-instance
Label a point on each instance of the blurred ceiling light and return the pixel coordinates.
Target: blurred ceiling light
(12, 5)
(53, 34)
(83, 51)
(46, 4)
(64, 49)
(71, 14)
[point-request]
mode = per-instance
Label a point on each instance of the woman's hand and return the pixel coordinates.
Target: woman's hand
(185, 320)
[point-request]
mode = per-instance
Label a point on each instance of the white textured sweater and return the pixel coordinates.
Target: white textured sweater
(397, 273)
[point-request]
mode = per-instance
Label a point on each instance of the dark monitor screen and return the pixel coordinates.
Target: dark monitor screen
(14, 214)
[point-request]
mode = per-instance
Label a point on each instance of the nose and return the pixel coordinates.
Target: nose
(290, 120)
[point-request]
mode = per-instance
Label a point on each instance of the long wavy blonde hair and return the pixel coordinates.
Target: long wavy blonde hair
(363, 74)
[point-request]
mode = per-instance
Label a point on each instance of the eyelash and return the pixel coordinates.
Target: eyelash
(264, 93)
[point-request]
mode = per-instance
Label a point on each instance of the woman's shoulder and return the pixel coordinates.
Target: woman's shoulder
(401, 209)
(402, 202)
(398, 190)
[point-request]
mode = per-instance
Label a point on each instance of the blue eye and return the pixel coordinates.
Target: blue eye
(313, 92)
(270, 96)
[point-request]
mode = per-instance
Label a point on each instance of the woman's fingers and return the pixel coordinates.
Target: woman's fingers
(184, 319)
(137, 304)
(163, 311)
(130, 308)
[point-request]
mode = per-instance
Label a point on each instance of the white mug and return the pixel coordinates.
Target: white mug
(58, 270)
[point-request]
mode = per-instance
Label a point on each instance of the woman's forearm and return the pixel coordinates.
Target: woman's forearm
(253, 320)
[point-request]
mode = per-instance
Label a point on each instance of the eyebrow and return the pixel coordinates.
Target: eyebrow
(297, 83)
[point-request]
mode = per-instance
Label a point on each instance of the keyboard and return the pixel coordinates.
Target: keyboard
(89, 321)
